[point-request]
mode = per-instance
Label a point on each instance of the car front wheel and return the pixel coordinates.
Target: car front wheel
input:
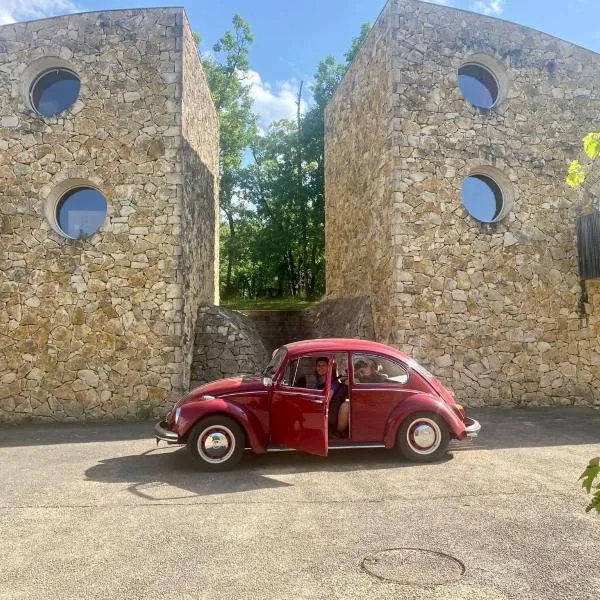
(217, 443)
(423, 437)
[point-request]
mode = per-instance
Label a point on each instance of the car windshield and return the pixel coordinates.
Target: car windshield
(275, 362)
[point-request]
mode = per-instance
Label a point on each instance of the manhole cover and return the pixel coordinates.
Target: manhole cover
(413, 566)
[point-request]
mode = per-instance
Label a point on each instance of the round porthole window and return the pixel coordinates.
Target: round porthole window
(483, 198)
(80, 212)
(53, 91)
(478, 85)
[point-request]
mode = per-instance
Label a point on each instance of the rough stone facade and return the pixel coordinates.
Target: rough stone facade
(497, 310)
(227, 343)
(103, 327)
(343, 318)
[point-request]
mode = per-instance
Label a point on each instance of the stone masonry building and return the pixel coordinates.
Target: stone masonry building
(108, 212)
(493, 302)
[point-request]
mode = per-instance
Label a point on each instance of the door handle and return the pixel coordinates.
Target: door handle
(316, 401)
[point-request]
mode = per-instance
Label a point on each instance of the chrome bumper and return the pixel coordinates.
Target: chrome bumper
(162, 434)
(473, 427)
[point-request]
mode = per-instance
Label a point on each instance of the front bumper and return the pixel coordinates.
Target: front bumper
(473, 427)
(163, 434)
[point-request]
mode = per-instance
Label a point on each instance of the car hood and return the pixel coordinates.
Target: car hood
(230, 385)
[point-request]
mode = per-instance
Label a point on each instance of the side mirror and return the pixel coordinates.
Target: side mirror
(267, 381)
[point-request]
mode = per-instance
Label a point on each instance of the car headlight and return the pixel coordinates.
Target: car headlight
(177, 413)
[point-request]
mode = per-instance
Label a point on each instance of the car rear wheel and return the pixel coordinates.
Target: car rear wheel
(423, 437)
(216, 443)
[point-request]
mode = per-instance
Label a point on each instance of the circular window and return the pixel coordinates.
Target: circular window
(483, 198)
(80, 212)
(54, 91)
(478, 85)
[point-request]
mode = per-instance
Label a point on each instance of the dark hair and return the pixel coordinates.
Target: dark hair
(322, 359)
(360, 364)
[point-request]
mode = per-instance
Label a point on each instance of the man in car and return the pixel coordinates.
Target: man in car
(365, 371)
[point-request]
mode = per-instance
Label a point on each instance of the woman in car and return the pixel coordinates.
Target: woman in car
(339, 405)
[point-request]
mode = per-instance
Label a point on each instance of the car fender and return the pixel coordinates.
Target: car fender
(422, 403)
(192, 412)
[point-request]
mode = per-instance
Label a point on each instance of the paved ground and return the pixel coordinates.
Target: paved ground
(97, 512)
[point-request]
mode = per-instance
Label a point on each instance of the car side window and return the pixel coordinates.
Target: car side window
(300, 373)
(370, 368)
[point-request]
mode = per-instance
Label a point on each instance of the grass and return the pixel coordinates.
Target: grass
(288, 303)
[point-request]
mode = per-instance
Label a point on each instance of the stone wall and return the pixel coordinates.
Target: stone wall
(343, 318)
(200, 167)
(277, 327)
(358, 175)
(92, 329)
(495, 310)
(227, 343)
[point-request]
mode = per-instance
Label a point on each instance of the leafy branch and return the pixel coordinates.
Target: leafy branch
(589, 476)
(578, 171)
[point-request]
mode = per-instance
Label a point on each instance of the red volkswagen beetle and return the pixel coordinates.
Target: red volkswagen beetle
(320, 395)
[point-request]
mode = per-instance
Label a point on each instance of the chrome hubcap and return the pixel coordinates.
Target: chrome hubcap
(216, 444)
(424, 436)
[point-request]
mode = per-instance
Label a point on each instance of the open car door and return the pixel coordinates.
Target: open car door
(298, 410)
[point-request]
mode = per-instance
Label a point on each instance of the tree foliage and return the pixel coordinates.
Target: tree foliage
(577, 171)
(273, 206)
(227, 72)
(589, 476)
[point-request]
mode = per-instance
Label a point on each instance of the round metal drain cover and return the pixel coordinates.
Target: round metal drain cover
(413, 566)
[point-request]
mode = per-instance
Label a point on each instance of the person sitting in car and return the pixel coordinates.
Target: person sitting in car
(365, 371)
(339, 406)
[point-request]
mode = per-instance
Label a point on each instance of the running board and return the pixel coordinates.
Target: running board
(334, 446)
(357, 445)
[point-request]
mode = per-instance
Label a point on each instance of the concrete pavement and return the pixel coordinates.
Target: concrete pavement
(96, 511)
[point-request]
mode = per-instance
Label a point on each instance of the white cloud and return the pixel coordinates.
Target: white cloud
(272, 103)
(488, 7)
(26, 10)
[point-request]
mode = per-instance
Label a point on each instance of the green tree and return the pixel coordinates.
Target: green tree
(274, 207)
(227, 71)
(577, 175)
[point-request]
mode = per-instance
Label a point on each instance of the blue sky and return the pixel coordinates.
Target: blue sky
(291, 36)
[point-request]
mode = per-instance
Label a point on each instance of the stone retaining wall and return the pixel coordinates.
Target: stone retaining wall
(277, 327)
(227, 343)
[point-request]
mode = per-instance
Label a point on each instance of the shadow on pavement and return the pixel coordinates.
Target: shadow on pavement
(501, 428)
(167, 468)
(159, 473)
(534, 427)
(43, 434)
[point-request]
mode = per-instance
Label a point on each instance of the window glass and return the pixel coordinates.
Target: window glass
(81, 212)
(478, 85)
(54, 91)
(370, 368)
(275, 362)
(306, 372)
(482, 198)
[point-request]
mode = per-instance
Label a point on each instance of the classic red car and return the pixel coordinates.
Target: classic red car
(319, 395)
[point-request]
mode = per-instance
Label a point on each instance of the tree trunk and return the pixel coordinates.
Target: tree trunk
(228, 290)
(303, 266)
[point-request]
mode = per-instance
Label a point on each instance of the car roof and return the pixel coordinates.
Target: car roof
(342, 345)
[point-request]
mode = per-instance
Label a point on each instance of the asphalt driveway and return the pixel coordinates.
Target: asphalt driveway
(96, 511)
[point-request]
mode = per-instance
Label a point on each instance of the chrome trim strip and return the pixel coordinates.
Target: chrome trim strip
(359, 446)
(241, 393)
(314, 397)
(335, 447)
